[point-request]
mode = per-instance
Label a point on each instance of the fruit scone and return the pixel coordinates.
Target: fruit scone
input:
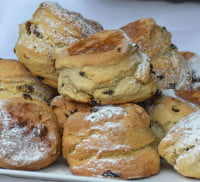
(169, 107)
(50, 28)
(181, 146)
(111, 141)
(104, 68)
(17, 81)
(29, 134)
(64, 107)
(169, 66)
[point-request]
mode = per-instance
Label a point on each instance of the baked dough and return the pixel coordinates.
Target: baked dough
(169, 66)
(166, 112)
(180, 147)
(153, 40)
(105, 68)
(17, 81)
(51, 28)
(64, 107)
(111, 141)
(29, 134)
(192, 96)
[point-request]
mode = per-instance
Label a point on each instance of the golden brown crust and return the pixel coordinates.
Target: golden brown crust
(37, 139)
(187, 55)
(112, 74)
(107, 47)
(169, 66)
(111, 139)
(50, 83)
(72, 23)
(52, 27)
(151, 38)
(17, 81)
(192, 96)
(12, 68)
(64, 107)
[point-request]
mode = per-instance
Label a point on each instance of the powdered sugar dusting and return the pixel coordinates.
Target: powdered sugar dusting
(142, 73)
(188, 133)
(102, 143)
(107, 126)
(86, 27)
(195, 86)
(142, 70)
(194, 65)
(19, 146)
(53, 27)
(183, 81)
(105, 112)
(128, 39)
(144, 56)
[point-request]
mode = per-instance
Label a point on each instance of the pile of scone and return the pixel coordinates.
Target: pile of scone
(113, 101)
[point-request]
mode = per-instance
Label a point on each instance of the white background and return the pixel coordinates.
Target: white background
(181, 19)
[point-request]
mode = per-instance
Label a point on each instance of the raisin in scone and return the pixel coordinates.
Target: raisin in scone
(181, 146)
(167, 110)
(50, 28)
(29, 134)
(111, 141)
(104, 68)
(169, 66)
(17, 81)
(64, 107)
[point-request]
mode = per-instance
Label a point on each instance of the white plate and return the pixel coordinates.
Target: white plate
(60, 172)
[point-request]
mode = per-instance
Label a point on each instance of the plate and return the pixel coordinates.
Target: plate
(59, 171)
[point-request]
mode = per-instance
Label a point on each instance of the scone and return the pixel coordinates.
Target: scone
(193, 61)
(111, 141)
(17, 81)
(166, 112)
(29, 134)
(153, 40)
(64, 107)
(180, 147)
(105, 68)
(188, 55)
(192, 96)
(169, 66)
(51, 28)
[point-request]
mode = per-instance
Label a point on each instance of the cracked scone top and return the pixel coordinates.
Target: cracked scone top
(50, 28)
(111, 141)
(63, 107)
(169, 66)
(181, 146)
(105, 68)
